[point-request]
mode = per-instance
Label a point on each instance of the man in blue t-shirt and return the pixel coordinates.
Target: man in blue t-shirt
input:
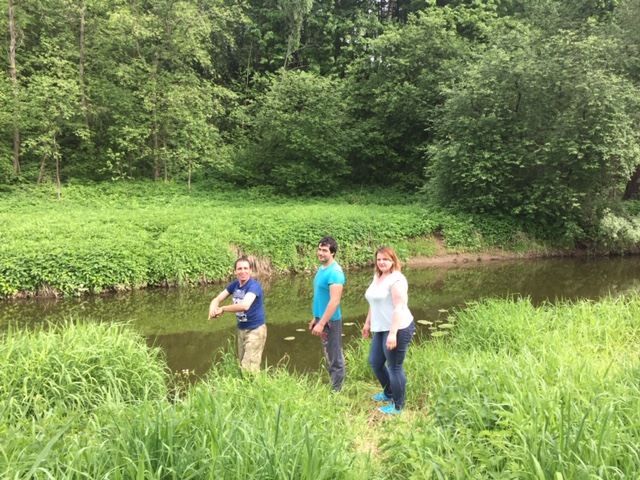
(327, 318)
(248, 305)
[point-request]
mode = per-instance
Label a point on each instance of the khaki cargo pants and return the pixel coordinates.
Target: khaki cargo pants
(250, 346)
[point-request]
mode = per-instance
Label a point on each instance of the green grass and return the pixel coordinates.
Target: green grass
(513, 391)
(524, 392)
(69, 411)
(117, 237)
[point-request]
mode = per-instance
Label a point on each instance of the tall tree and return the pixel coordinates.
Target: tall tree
(152, 50)
(540, 128)
(627, 32)
(49, 79)
(395, 92)
(295, 11)
(14, 86)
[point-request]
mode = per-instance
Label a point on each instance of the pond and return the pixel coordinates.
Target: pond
(176, 319)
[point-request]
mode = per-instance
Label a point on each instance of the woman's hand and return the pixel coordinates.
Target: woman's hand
(392, 342)
(366, 330)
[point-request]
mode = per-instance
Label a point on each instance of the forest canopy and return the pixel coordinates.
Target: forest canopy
(524, 108)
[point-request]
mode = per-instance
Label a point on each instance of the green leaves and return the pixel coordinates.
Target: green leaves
(300, 137)
(102, 238)
(538, 128)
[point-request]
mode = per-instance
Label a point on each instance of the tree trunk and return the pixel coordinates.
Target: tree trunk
(85, 109)
(154, 123)
(57, 157)
(164, 158)
(248, 66)
(41, 172)
(14, 82)
(632, 185)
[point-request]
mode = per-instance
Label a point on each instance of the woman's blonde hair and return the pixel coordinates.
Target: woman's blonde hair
(391, 255)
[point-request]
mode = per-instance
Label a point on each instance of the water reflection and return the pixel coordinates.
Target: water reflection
(176, 319)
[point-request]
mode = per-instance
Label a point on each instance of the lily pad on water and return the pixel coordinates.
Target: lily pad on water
(440, 333)
(445, 325)
(300, 330)
(289, 338)
(443, 310)
(348, 324)
(425, 322)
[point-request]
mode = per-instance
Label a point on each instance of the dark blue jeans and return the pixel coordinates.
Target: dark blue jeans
(333, 354)
(391, 376)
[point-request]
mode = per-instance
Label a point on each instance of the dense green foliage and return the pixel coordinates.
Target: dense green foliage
(92, 241)
(513, 391)
(301, 137)
(521, 108)
(562, 147)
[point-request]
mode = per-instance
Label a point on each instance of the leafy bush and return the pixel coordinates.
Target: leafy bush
(619, 234)
(300, 137)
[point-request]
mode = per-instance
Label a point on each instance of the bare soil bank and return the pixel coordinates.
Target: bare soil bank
(455, 259)
(444, 258)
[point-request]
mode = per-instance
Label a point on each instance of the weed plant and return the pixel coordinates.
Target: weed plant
(129, 236)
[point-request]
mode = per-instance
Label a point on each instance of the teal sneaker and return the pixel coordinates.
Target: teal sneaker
(381, 397)
(390, 409)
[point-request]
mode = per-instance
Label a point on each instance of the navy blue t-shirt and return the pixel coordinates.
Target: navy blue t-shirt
(254, 317)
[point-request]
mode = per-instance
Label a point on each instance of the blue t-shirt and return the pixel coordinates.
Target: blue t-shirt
(254, 317)
(321, 296)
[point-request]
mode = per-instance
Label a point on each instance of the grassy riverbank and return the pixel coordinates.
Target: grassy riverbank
(514, 391)
(117, 237)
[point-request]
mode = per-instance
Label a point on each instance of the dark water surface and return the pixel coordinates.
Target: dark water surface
(176, 319)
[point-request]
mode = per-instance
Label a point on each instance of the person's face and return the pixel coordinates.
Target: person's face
(383, 263)
(324, 254)
(243, 271)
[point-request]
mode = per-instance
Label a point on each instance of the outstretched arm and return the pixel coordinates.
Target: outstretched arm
(243, 306)
(214, 308)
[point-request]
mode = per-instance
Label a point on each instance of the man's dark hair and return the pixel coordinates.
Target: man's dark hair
(242, 259)
(329, 242)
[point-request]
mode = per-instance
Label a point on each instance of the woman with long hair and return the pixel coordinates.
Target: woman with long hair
(391, 323)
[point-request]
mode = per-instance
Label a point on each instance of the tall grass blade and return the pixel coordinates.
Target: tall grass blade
(47, 448)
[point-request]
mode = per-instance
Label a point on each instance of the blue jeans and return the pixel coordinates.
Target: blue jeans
(391, 376)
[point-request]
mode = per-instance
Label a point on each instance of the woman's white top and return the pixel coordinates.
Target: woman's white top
(381, 302)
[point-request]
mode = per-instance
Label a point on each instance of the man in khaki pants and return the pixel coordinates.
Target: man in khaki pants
(248, 305)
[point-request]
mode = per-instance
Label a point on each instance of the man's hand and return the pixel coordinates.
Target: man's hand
(215, 312)
(316, 329)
